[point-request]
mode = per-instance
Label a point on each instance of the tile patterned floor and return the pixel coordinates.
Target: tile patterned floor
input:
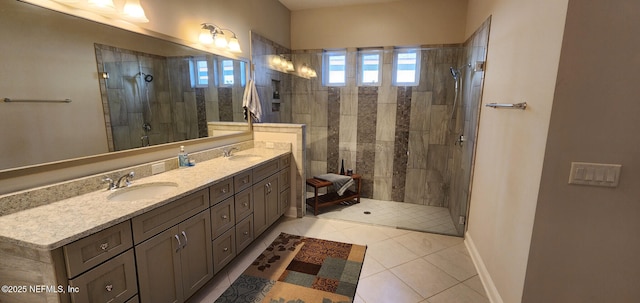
(400, 265)
(394, 214)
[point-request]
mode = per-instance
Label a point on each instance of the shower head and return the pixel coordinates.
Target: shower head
(454, 72)
(147, 78)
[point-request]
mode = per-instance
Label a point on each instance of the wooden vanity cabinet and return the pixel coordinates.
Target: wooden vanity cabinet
(173, 264)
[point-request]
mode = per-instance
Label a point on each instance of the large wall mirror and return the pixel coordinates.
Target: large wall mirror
(126, 90)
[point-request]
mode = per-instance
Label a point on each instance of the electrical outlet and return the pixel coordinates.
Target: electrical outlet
(157, 168)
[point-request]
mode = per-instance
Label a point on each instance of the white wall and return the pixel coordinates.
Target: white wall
(397, 23)
(524, 48)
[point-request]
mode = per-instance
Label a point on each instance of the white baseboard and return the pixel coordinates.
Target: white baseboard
(483, 273)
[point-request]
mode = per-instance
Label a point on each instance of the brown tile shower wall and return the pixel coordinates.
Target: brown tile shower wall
(397, 138)
(174, 113)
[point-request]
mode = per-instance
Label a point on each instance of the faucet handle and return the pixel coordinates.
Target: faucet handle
(127, 179)
(112, 185)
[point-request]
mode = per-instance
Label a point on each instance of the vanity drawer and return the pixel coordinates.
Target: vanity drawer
(244, 233)
(224, 250)
(135, 299)
(92, 250)
(243, 205)
(221, 191)
(284, 178)
(114, 281)
(285, 161)
(155, 221)
(243, 181)
(222, 217)
(265, 170)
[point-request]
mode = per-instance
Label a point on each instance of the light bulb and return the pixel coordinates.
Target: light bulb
(234, 45)
(205, 36)
(220, 39)
(103, 5)
(133, 11)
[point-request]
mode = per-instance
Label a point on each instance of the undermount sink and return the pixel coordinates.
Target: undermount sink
(143, 191)
(245, 157)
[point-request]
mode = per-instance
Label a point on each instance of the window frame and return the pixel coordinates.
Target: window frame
(195, 72)
(326, 73)
(396, 54)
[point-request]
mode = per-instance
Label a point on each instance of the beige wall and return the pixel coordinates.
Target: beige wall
(398, 23)
(585, 244)
(523, 54)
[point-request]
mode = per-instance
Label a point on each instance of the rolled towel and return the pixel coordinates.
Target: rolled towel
(340, 182)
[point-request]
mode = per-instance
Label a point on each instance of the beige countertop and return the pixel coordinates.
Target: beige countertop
(54, 225)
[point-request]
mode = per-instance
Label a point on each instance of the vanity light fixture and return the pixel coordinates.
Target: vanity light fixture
(213, 34)
(133, 11)
(103, 5)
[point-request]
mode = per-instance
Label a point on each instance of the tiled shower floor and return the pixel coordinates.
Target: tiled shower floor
(394, 214)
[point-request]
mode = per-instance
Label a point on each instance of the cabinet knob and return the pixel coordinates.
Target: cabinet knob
(225, 249)
(245, 204)
(224, 190)
(224, 217)
(245, 181)
(109, 287)
(246, 233)
(104, 246)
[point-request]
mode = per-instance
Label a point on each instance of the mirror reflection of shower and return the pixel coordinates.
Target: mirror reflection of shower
(146, 126)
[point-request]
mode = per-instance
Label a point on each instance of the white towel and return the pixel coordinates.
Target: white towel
(251, 101)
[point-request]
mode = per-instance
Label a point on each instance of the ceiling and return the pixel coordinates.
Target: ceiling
(296, 5)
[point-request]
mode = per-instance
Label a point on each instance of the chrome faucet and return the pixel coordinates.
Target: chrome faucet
(226, 152)
(113, 185)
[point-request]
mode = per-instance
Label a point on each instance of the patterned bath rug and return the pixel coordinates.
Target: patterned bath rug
(296, 269)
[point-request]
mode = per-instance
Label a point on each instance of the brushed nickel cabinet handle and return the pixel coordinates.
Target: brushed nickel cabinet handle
(179, 244)
(104, 246)
(109, 287)
(185, 239)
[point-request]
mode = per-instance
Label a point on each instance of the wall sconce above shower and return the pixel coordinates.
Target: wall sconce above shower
(213, 34)
(131, 11)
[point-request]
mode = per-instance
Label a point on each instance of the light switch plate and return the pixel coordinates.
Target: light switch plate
(157, 168)
(595, 174)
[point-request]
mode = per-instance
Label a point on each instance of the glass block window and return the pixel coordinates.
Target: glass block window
(199, 72)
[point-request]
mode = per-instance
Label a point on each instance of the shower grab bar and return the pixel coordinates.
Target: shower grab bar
(38, 101)
(522, 105)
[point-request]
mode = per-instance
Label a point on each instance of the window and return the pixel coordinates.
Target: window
(334, 67)
(199, 72)
(369, 67)
(227, 72)
(406, 67)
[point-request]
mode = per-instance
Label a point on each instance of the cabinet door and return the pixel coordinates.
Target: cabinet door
(195, 255)
(260, 224)
(285, 201)
(244, 204)
(273, 200)
(159, 268)
(244, 233)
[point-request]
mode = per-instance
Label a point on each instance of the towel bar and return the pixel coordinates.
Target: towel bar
(38, 101)
(522, 105)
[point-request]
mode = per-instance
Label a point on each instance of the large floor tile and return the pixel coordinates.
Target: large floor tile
(424, 277)
(386, 287)
(458, 294)
(455, 261)
(424, 244)
(390, 253)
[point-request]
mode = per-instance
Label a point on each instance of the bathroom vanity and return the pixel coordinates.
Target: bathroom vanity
(159, 240)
